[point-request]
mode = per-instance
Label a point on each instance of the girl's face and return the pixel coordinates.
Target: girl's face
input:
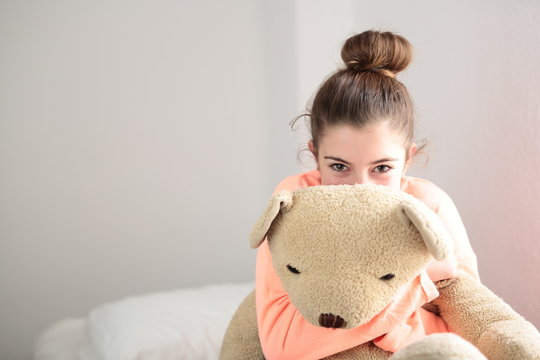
(374, 154)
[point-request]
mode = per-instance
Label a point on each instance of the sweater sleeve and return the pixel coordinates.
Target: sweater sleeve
(464, 259)
(465, 256)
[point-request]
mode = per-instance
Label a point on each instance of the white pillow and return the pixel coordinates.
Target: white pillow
(182, 324)
(61, 341)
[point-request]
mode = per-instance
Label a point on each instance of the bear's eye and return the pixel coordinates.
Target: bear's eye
(387, 277)
(293, 270)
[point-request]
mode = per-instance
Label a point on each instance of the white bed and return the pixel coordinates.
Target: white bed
(181, 324)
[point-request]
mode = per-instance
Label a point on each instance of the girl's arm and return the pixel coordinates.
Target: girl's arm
(466, 258)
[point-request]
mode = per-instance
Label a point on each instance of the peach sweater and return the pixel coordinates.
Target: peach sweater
(285, 334)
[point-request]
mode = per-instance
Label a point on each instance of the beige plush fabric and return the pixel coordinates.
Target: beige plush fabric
(280, 202)
(361, 236)
(472, 310)
(440, 346)
(348, 249)
(245, 344)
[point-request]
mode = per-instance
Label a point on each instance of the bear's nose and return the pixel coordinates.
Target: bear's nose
(331, 321)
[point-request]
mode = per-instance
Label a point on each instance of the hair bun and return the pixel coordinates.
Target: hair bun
(383, 52)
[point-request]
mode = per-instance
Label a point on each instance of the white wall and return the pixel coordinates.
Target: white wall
(138, 143)
(140, 140)
(320, 28)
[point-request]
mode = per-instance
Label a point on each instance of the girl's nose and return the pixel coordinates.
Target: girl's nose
(362, 179)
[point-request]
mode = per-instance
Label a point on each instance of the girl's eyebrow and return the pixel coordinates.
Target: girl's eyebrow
(337, 159)
(383, 160)
(372, 163)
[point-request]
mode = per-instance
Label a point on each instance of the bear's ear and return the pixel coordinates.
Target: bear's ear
(280, 202)
(430, 226)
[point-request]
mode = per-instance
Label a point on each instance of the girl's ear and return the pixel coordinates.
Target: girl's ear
(281, 202)
(311, 147)
(410, 154)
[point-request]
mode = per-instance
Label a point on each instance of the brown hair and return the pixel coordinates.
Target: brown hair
(366, 91)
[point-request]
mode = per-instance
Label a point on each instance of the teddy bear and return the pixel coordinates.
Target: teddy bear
(344, 252)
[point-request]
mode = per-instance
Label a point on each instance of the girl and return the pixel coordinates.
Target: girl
(362, 127)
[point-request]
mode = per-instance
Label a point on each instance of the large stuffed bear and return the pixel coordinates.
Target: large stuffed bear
(343, 253)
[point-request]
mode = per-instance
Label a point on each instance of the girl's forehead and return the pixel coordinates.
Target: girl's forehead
(374, 139)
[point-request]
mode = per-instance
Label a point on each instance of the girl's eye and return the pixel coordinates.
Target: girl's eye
(382, 168)
(338, 167)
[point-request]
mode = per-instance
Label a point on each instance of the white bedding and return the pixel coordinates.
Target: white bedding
(61, 341)
(181, 324)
